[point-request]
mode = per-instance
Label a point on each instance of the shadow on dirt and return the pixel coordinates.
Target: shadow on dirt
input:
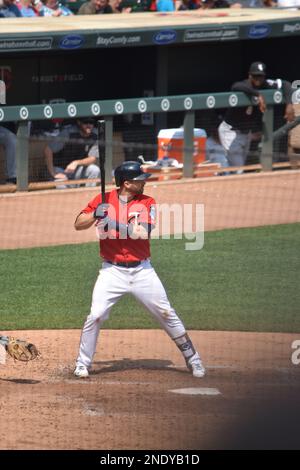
(131, 364)
(22, 381)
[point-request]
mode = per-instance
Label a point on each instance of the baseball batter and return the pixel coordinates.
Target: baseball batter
(124, 223)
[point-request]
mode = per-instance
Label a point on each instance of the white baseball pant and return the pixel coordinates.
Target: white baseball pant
(235, 143)
(113, 282)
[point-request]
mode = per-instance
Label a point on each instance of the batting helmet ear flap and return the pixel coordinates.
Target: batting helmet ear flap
(129, 171)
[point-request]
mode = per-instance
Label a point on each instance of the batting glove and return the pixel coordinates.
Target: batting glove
(101, 211)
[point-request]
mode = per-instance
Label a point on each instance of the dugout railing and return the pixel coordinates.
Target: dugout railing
(107, 110)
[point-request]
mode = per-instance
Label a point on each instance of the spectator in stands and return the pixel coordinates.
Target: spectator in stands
(294, 4)
(117, 7)
(143, 5)
(241, 122)
(252, 3)
(8, 9)
(53, 8)
(74, 153)
(95, 7)
(8, 140)
(27, 8)
(188, 5)
(206, 4)
(215, 4)
(165, 5)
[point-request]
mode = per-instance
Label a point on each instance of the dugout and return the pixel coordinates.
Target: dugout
(104, 57)
(82, 58)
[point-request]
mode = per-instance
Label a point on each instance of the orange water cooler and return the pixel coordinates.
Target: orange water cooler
(170, 144)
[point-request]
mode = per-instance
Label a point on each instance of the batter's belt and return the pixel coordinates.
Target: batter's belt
(130, 264)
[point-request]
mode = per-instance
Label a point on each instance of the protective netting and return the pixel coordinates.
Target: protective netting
(242, 277)
(157, 138)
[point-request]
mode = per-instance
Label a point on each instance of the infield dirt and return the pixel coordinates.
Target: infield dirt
(127, 402)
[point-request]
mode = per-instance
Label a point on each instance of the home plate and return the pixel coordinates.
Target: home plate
(197, 391)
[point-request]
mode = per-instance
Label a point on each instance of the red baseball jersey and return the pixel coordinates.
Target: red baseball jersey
(114, 246)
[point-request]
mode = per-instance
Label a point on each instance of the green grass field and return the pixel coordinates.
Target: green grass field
(243, 279)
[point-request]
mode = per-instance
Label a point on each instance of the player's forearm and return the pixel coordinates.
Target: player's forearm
(135, 231)
(86, 161)
(245, 87)
(84, 221)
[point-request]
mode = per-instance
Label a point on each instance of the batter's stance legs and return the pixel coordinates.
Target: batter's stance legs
(88, 344)
(144, 284)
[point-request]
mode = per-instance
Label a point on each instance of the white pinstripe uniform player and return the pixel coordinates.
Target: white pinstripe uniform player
(125, 222)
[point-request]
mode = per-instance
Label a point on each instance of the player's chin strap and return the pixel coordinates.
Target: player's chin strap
(186, 347)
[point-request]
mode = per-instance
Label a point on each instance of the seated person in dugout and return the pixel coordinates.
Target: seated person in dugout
(8, 140)
(74, 153)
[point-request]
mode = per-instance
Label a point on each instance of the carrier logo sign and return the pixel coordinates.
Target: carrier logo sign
(165, 37)
(258, 31)
(71, 42)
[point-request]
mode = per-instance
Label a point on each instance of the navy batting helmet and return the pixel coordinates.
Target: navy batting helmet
(129, 171)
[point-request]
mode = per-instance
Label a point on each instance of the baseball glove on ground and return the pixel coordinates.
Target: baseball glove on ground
(20, 350)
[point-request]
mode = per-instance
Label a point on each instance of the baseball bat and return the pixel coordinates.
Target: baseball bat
(101, 150)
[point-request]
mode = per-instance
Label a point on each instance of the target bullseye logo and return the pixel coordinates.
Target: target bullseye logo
(95, 108)
(119, 107)
(296, 97)
(188, 103)
(1, 114)
(142, 105)
(165, 104)
(72, 110)
(211, 101)
(24, 113)
(48, 112)
(277, 97)
(233, 100)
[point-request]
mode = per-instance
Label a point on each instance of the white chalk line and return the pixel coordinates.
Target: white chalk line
(242, 368)
(196, 391)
